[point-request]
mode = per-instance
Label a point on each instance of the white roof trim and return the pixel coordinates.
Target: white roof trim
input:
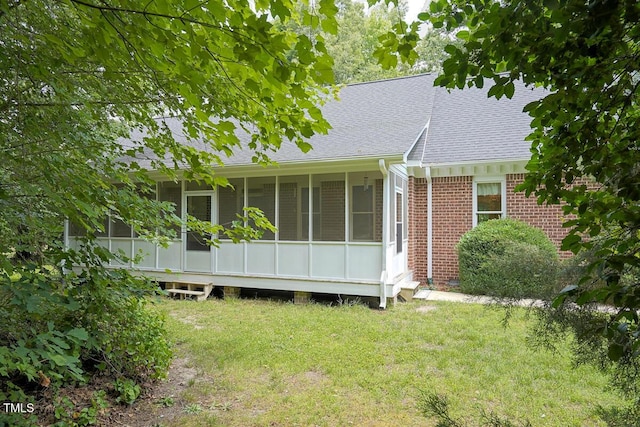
(475, 168)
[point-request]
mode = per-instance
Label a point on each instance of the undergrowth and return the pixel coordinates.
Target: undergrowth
(59, 329)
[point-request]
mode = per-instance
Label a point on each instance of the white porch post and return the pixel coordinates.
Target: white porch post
(385, 231)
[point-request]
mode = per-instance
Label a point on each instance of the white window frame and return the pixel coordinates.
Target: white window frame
(372, 212)
(502, 180)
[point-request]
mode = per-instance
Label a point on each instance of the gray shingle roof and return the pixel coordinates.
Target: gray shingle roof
(374, 119)
(378, 118)
(384, 118)
(468, 126)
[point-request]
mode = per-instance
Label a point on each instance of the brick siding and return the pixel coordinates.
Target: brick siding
(548, 218)
(418, 238)
(452, 217)
(452, 203)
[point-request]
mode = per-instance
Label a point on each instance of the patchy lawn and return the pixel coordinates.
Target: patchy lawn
(262, 363)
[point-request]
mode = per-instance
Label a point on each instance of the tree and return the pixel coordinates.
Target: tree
(76, 77)
(78, 73)
(353, 47)
(585, 133)
(357, 37)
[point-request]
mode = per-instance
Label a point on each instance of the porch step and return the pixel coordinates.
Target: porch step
(408, 290)
(422, 294)
(189, 288)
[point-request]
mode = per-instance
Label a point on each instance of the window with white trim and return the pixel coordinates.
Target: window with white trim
(489, 200)
(362, 213)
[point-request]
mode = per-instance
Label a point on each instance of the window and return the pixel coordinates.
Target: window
(198, 207)
(489, 200)
(262, 195)
(76, 230)
(315, 214)
(365, 222)
(362, 199)
(147, 192)
(119, 228)
(399, 221)
(171, 192)
(230, 203)
(293, 208)
(392, 207)
(332, 202)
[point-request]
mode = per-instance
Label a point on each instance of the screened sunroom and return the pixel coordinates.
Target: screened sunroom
(336, 232)
(340, 209)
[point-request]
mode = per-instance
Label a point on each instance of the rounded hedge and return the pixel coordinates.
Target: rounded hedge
(507, 258)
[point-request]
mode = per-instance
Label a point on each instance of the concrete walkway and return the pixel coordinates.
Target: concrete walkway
(429, 295)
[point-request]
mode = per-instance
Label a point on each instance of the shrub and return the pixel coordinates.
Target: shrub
(58, 329)
(507, 258)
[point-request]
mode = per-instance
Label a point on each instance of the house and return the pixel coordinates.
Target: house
(378, 204)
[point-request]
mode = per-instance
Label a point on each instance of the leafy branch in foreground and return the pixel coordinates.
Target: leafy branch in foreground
(434, 405)
(585, 152)
(78, 78)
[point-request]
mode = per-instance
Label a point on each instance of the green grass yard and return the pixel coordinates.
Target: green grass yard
(262, 363)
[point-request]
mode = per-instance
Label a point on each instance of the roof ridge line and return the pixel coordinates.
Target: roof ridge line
(389, 79)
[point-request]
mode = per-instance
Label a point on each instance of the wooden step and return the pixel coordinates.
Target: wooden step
(185, 291)
(422, 294)
(183, 288)
(408, 290)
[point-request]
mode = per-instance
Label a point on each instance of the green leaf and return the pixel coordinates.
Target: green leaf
(496, 91)
(615, 352)
(558, 301)
(78, 333)
(58, 359)
(509, 90)
(463, 35)
(570, 242)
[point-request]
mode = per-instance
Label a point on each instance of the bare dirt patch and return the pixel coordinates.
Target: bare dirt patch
(426, 308)
(189, 320)
(160, 403)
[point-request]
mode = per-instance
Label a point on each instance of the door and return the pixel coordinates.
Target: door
(198, 252)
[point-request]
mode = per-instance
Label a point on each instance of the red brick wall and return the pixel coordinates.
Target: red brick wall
(548, 218)
(417, 251)
(453, 216)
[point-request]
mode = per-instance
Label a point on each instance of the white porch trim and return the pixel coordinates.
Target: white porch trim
(475, 168)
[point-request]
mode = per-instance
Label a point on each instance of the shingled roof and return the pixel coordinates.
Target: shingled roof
(468, 126)
(374, 119)
(387, 118)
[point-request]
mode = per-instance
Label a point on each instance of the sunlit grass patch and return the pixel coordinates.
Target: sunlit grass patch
(268, 363)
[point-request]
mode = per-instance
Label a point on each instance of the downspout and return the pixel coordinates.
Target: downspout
(66, 234)
(385, 233)
(427, 174)
(427, 171)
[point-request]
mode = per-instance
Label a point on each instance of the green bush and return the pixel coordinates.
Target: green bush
(58, 329)
(507, 258)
